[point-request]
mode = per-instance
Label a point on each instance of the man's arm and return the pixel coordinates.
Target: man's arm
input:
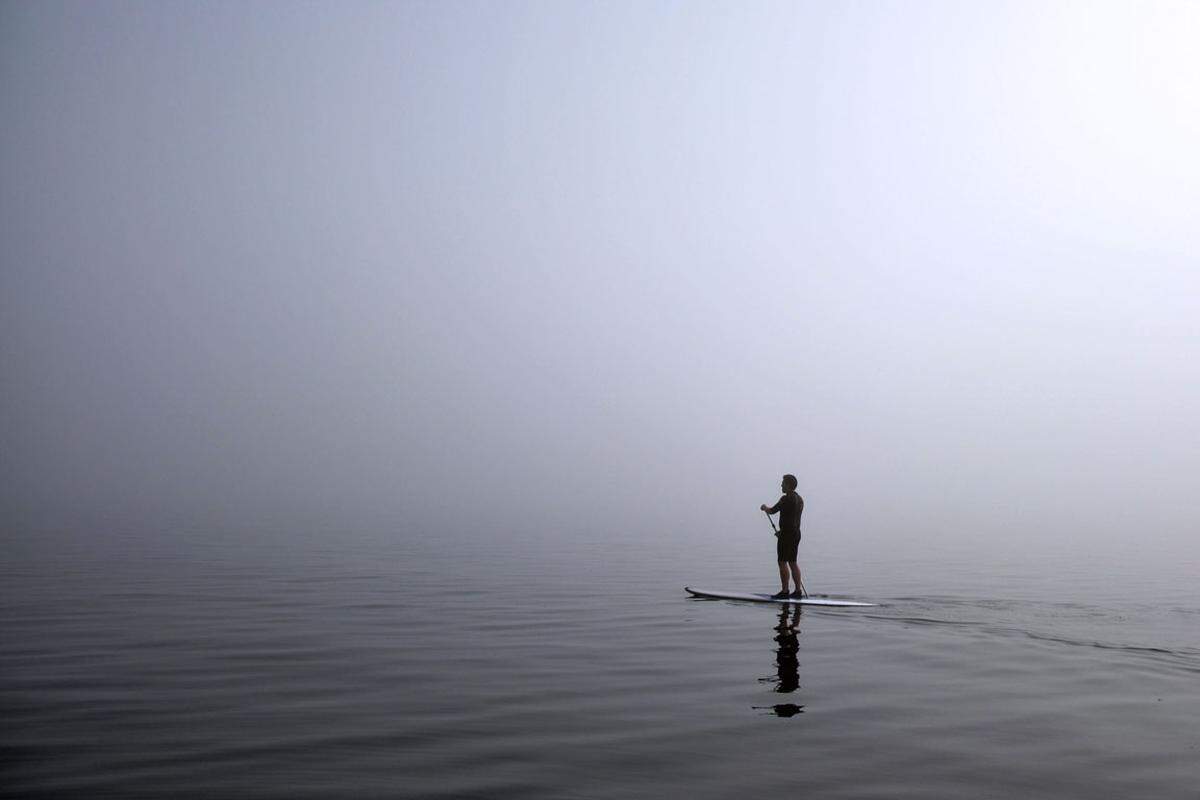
(773, 509)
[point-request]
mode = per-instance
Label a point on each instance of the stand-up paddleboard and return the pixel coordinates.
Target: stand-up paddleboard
(766, 598)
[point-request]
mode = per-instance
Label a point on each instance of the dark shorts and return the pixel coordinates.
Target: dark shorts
(786, 546)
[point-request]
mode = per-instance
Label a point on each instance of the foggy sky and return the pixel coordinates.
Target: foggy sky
(601, 266)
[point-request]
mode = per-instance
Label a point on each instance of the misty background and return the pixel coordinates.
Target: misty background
(601, 269)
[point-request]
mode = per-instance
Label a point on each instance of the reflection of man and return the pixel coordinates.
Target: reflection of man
(789, 508)
(787, 657)
(787, 662)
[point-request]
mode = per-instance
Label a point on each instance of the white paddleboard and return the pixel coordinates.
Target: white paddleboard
(766, 598)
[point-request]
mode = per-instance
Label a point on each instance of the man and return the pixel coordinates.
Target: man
(789, 508)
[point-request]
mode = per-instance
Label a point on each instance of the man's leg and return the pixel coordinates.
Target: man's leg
(795, 570)
(783, 576)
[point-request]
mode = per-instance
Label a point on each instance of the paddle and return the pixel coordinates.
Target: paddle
(803, 591)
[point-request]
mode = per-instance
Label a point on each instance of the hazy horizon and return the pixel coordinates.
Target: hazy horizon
(601, 267)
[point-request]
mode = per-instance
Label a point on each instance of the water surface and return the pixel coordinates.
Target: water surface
(322, 665)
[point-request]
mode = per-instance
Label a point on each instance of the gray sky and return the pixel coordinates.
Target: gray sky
(602, 266)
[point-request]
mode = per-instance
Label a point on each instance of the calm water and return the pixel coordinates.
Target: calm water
(336, 666)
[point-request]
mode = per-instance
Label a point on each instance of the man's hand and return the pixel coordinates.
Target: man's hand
(762, 507)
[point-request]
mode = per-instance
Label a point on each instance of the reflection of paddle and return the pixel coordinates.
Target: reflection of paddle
(803, 591)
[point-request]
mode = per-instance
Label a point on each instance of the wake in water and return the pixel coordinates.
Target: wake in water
(1137, 629)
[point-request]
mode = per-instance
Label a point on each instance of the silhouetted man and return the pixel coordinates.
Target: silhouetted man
(789, 508)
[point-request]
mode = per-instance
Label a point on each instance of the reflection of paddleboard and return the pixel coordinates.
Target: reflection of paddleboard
(766, 598)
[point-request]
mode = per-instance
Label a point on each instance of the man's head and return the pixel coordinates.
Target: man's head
(790, 483)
